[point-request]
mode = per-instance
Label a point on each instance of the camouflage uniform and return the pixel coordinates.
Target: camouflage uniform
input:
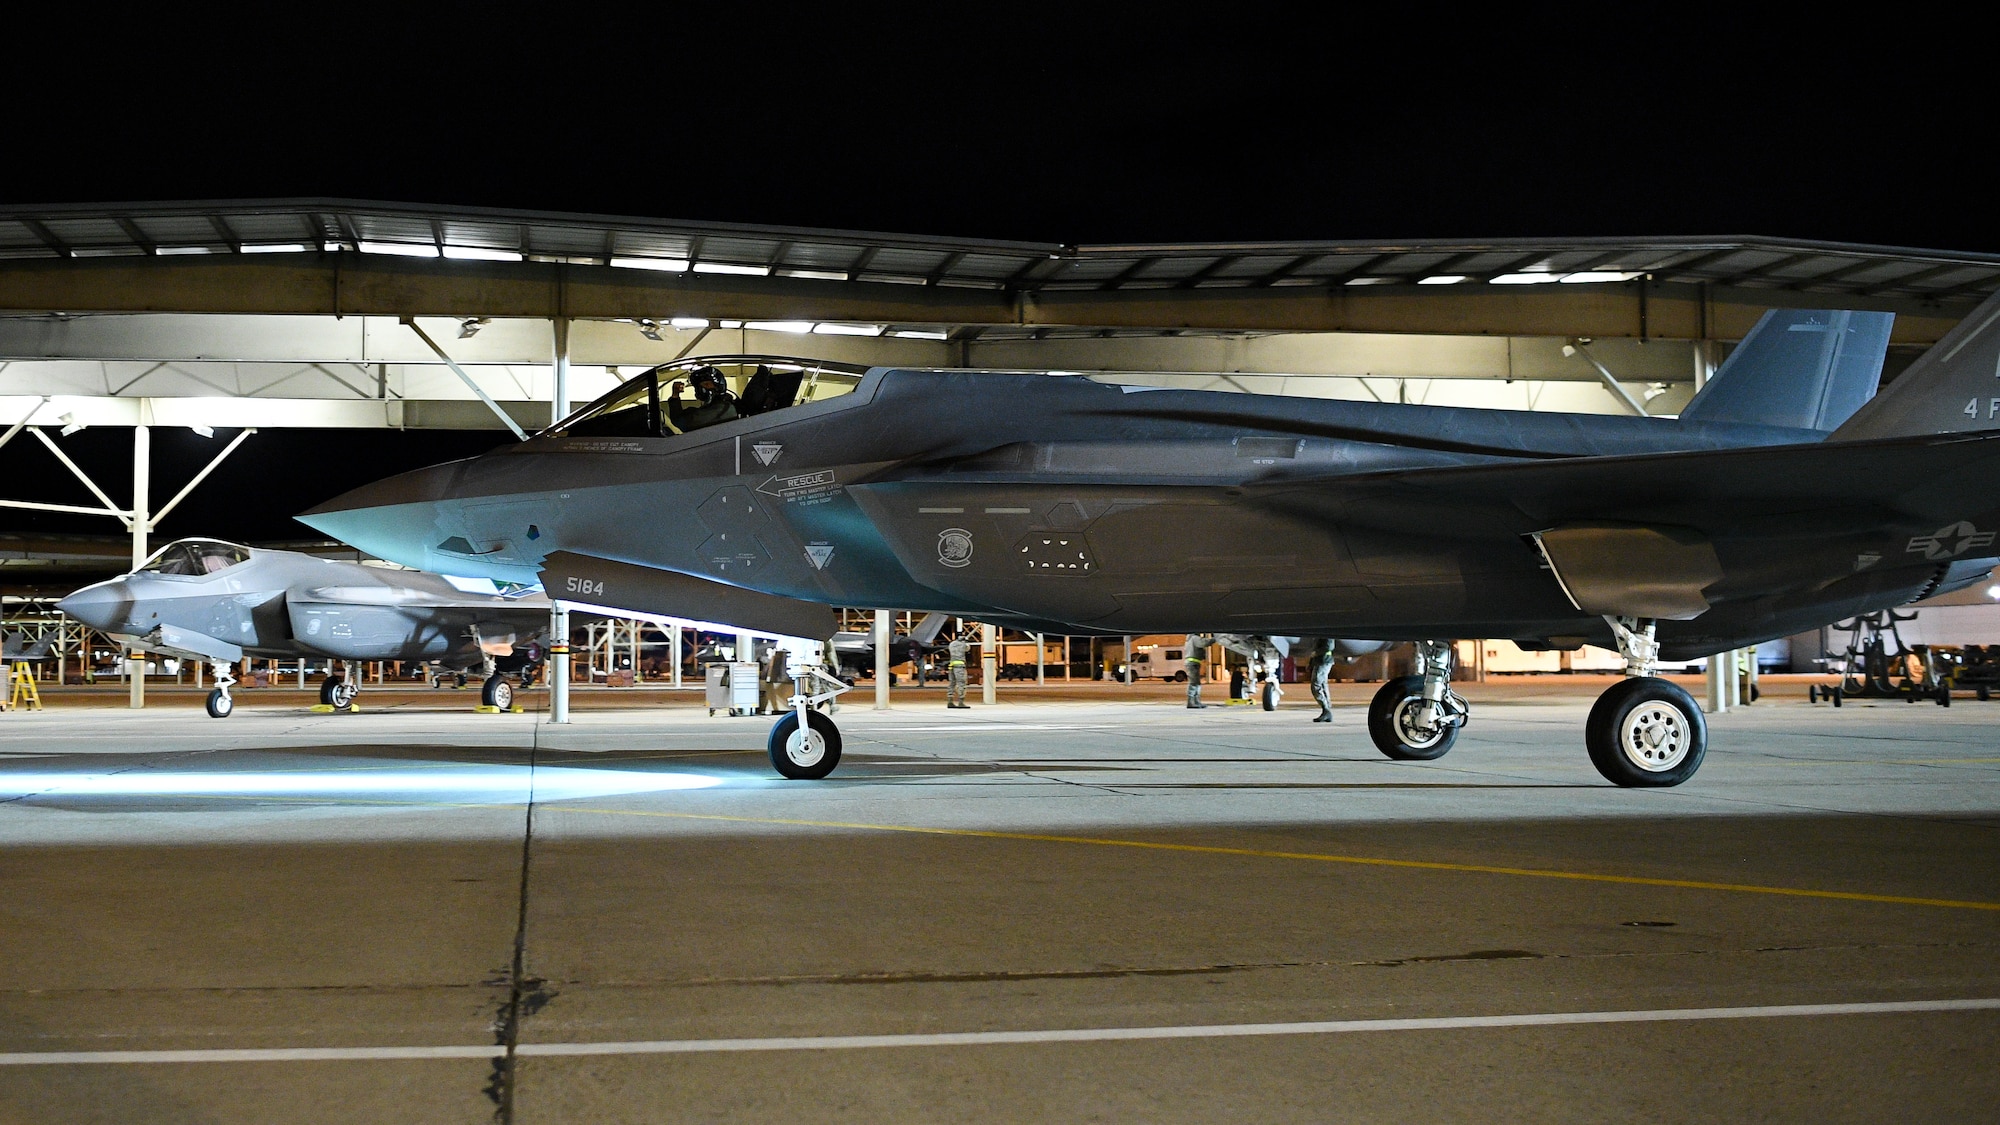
(955, 693)
(1197, 648)
(1322, 664)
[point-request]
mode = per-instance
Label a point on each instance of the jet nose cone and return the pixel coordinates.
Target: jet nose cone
(395, 518)
(102, 606)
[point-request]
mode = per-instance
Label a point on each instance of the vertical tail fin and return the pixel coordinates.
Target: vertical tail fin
(1953, 387)
(928, 629)
(1809, 369)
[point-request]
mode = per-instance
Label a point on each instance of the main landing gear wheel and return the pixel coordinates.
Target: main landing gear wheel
(1268, 695)
(337, 693)
(808, 756)
(497, 692)
(219, 704)
(1392, 723)
(1646, 732)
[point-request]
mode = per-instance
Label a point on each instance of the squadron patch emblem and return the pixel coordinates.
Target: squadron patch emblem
(955, 547)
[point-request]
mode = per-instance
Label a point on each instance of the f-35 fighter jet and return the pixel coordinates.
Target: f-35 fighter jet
(203, 599)
(1776, 502)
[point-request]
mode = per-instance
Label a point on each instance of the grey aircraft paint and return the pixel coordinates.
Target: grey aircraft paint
(1063, 504)
(203, 599)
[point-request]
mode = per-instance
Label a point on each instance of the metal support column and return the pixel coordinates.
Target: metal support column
(1717, 696)
(989, 664)
(558, 613)
(142, 463)
(1128, 659)
(881, 660)
(1041, 662)
(675, 637)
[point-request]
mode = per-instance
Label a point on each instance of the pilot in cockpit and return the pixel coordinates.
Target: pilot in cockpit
(715, 402)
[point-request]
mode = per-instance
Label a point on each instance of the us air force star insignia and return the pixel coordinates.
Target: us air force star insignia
(1950, 541)
(766, 451)
(955, 547)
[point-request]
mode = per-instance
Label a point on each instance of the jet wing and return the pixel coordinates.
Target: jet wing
(407, 597)
(644, 589)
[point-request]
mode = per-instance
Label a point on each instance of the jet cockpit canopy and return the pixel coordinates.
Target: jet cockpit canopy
(195, 556)
(640, 406)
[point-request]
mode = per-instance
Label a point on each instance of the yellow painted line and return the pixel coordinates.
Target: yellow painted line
(1320, 857)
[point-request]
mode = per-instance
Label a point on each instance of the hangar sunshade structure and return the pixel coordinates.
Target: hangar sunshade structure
(333, 313)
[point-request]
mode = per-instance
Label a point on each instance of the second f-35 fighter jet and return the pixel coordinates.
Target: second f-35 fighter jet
(203, 599)
(1776, 502)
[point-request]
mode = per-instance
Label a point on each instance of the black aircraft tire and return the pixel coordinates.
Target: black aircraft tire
(341, 695)
(1666, 732)
(1392, 697)
(496, 692)
(1268, 695)
(326, 689)
(799, 763)
(220, 704)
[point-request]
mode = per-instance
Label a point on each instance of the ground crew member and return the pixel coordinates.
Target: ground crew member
(955, 673)
(1322, 664)
(1197, 648)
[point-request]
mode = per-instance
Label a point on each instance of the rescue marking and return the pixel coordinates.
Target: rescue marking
(995, 1038)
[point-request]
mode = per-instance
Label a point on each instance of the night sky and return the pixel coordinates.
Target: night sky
(1206, 126)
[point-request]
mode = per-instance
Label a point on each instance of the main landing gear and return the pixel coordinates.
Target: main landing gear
(496, 692)
(1417, 718)
(1644, 732)
(805, 743)
(219, 704)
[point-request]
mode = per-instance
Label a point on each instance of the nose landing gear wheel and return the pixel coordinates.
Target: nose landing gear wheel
(1646, 733)
(337, 693)
(806, 756)
(1269, 695)
(1393, 727)
(497, 692)
(219, 704)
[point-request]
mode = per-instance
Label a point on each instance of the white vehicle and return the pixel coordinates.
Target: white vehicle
(1165, 662)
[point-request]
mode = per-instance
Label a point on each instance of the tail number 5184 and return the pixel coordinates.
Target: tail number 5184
(585, 586)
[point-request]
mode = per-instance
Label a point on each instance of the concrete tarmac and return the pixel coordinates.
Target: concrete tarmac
(1084, 904)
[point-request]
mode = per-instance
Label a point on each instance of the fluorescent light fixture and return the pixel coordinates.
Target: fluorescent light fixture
(1525, 279)
(333, 247)
(400, 249)
(729, 324)
(274, 248)
(1442, 279)
(1589, 276)
(481, 254)
(796, 327)
(814, 275)
(204, 431)
(920, 334)
(725, 267)
(659, 265)
(650, 329)
(1993, 591)
(470, 326)
(70, 424)
(171, 250)
(1369, 281)
(847, 330)
(689, 322)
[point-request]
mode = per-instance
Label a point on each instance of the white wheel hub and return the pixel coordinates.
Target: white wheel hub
(805, 747)
(1655, 736)
(1407, 729)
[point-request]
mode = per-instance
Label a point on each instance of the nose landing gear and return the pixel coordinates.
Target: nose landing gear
(219, 704)
(805, 742)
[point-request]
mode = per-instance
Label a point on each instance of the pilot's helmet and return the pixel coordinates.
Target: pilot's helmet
(708, 382)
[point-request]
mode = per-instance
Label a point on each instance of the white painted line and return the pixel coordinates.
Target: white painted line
(987, 1038)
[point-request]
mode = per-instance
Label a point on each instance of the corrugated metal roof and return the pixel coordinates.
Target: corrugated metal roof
(314, 225)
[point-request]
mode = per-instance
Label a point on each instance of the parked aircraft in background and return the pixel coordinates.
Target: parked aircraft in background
(854, 653)
(1776, 502)
(16, 646)
(203, 599)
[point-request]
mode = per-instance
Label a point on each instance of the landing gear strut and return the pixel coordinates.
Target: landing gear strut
(339, 690)
(219, 703)
(805, 743)
(1644, 731)
(1417, 718)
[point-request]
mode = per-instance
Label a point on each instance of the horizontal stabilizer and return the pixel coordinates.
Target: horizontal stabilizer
(644, 589)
